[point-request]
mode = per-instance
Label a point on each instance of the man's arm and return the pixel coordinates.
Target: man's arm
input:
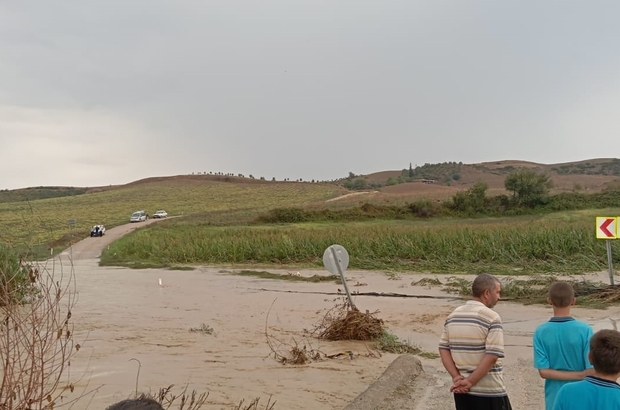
(494, 345)
(446, 356)
(561, 374)
(485, 365)
(450, 366)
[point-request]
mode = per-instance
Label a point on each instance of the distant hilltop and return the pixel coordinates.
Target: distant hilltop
(431, 180)
(593, 175)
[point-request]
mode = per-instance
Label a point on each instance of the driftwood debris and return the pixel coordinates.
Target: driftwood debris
(375, 294)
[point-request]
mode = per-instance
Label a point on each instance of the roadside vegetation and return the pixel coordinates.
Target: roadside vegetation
(563, 244)
(535, 290)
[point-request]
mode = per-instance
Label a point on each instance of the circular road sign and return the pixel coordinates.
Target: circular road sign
(336, 259)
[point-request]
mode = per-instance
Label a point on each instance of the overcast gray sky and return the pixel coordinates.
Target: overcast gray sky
(107, 92)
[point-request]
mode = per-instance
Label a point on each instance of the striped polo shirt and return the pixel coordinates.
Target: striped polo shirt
(470, 332)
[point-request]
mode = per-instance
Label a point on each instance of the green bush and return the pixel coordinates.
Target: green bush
(16, 278)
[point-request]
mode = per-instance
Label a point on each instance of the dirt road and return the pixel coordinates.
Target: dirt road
(91, 248)
(125, 314)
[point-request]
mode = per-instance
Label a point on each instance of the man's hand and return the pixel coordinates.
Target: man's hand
(457, 378)
(461, 386)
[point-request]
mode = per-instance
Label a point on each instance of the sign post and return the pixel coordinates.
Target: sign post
(607, 228)
(72, 223)
(336, 261)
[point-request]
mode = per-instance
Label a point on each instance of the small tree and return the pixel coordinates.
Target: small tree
(473, 199)
(410, 170)
(360, 184)
(528, 187)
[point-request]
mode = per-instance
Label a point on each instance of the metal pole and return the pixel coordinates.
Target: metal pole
(344, 281)
(610, 262)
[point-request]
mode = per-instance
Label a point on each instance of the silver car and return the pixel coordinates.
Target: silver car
(138, 216)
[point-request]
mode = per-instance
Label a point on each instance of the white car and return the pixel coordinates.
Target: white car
(97, 230)
(160, 214)
(138, 216)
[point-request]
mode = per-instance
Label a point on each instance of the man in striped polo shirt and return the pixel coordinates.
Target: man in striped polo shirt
(472, 348)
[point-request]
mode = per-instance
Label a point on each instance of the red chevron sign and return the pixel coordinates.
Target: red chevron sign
(606, 227)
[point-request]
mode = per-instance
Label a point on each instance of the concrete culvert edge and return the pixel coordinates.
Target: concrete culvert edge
(398, 380)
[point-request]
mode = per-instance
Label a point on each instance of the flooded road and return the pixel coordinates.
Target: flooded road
(124, 316)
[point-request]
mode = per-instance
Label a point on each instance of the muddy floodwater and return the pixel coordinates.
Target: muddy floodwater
(124, 316)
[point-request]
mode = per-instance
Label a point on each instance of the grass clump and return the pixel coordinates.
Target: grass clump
(204, 329)
(390, 343)
(181, 268)
(290, 276)
(427, 282)
(429, 355)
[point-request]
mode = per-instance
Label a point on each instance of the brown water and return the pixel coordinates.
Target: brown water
(126, 314)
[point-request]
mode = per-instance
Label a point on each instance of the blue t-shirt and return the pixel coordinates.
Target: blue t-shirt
(562, 343)
(591, 393)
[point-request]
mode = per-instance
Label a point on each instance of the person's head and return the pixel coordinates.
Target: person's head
(486, 289)
(561, 295)
(605, 352)
(141, 403)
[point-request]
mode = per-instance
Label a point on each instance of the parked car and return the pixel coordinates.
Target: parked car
(97, 230)
(160, 214)
(139, 216)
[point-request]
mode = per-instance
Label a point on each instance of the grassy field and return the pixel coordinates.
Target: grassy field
(554, 243)
(44, 222)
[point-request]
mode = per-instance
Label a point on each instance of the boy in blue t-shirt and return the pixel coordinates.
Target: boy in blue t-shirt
(600, 390)
(561, 345)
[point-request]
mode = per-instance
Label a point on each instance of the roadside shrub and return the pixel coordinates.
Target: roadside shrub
(15, 278)
(425, 208)
(473, 200)
(284, 215)
(36, 335)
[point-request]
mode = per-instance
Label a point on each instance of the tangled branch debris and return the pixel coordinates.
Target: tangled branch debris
(343, 323)
(293, 352)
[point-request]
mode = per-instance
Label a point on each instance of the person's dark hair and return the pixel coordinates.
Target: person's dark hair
(605, 351)
(141, 403)
(561, 294)
(483, 282)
